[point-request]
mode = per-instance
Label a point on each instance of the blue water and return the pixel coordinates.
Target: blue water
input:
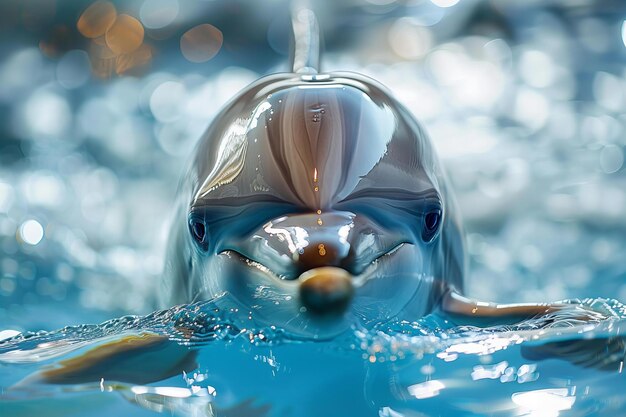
(525, 105)
(204, 360)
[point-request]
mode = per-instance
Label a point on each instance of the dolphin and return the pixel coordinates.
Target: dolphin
(315, 199)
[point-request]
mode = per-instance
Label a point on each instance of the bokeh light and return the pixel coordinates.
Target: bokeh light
(97, 19)
(156, 14)
(45, 114)
(444, 3)
(124, 35)
(73, 69)
(201, 43)
(31, 232)
(409, 39)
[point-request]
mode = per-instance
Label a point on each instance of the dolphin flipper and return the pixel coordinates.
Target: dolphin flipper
(487, 314)
(137, 359)
(604, 354)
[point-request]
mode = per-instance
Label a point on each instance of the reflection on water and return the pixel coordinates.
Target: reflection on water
(544, 402)
(204, 360)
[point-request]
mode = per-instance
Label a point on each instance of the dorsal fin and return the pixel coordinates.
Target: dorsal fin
(306, 46)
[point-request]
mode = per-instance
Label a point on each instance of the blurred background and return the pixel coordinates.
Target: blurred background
(101, 102)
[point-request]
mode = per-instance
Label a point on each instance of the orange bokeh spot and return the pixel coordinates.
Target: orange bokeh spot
(201, 43)
(127, 62)
(96, 19)
(125, 34)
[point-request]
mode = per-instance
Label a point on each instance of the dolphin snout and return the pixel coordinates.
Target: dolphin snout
(326, 290)
(325, 250)
(325, 256)
(293, 244)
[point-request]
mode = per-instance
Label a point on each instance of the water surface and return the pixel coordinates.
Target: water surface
(204, 359)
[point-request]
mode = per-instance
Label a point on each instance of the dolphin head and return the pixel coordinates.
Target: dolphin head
(314, 201)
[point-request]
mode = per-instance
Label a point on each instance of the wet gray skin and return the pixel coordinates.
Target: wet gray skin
(311, 200)
(316, 199)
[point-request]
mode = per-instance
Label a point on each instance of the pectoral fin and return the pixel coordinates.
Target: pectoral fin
(487, 314)
(137, 359)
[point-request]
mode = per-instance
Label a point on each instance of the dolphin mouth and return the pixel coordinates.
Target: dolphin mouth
(232, 253)
(358, 279)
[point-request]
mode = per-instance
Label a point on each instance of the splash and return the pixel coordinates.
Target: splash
(205, 358)
(194, 325)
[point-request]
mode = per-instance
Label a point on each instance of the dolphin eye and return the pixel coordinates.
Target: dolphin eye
(198, 231)
(432, 221)
(431, 224)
